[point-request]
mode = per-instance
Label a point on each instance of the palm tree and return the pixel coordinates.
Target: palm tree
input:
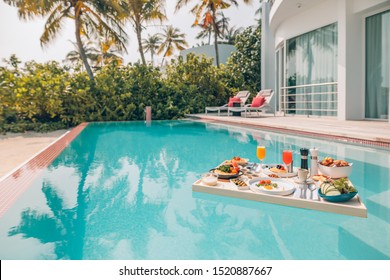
(207, 30)
(231, 34)
(91, 17)
(108, 52)
(206, 12)
(141, 11)
(74, 57)
(151, 45)
(173, 39)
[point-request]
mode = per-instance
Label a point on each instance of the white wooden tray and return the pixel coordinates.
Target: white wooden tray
(308, 200)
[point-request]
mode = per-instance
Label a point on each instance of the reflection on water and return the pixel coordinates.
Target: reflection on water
(123, 191)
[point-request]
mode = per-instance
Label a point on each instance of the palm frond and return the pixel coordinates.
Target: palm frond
(33, 8)
(54, 24)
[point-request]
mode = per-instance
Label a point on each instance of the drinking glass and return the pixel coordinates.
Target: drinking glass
(260, 152)
(287, 156)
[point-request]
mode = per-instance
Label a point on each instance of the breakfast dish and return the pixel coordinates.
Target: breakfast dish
(276, 186)
(278, 170)
(339, 190)
(335, 168)
(241, 185)
(328, 161)
(227, 170)
(240, 160)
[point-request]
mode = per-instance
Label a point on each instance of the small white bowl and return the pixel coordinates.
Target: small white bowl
(210, 179)
(335, 171)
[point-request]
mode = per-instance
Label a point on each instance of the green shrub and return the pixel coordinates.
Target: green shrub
(49, 96)
(243, 69)
(195, 84)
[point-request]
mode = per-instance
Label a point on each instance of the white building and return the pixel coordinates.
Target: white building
(328, 57)
(224, 51)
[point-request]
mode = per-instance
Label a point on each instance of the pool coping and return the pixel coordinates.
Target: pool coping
(16, 182)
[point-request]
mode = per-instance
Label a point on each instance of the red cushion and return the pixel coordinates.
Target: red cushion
(234, 100)
(258, 101)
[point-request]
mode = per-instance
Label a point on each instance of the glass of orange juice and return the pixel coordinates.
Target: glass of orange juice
(260, 152)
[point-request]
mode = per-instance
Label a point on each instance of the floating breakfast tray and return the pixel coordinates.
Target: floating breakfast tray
(300, 198)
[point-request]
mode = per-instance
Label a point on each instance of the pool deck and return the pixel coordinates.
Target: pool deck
(374, 133)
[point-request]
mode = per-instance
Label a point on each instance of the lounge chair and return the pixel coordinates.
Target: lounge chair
(260, 103)
(243, 95)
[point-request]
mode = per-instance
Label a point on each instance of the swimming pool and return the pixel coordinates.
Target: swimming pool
(123, 191)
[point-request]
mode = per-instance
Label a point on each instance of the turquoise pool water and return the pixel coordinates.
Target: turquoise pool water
(123, 191)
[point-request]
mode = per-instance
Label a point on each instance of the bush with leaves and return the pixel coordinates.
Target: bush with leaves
(49, 96)
(243, 69)
(195, 84)
(32, 94)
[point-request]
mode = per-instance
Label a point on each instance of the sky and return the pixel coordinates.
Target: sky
(22, 37)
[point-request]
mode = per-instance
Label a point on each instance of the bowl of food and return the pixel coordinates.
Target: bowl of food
(337, 198)
(335, 168)
(339, 190)
(227, 170)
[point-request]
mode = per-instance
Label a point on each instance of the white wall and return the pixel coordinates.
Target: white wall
(305, 19)
(288, 20)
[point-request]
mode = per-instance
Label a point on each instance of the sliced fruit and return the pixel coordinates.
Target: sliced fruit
(333, 193)
(325, 186)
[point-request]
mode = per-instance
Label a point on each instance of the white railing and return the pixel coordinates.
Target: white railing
(312, 99)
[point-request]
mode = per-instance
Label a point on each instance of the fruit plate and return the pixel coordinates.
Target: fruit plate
(284, 187)
(267, 171)
(337, 198)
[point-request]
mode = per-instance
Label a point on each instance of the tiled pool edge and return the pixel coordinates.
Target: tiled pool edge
(340, 138)
(15, 183)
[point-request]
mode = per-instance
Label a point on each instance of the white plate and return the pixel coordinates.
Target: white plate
(266, 171)
(284, 187)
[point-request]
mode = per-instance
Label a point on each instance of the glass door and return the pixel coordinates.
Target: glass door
(377, 66)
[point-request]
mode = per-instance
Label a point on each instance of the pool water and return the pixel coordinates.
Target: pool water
(123, 191)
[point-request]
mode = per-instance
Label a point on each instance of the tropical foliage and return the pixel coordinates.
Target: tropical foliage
(151, 44)
(231, 35)
(91, 17)
(207, 28)
(139, 12)
(74, 58)
(243, 69)
(206, 11)
(173, 40)
(48, 96)
(98, 54)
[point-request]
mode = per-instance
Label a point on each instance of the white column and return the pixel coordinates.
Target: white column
(350, 63)
(267, 50)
